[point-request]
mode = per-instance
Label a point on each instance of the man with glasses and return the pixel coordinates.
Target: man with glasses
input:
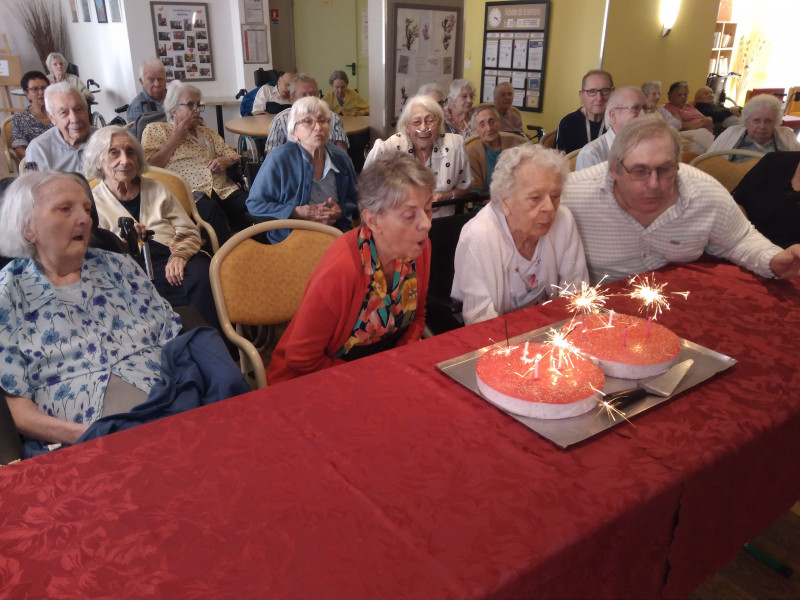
(303, 86)
(623, 105)
(640, 211)
(586, 124)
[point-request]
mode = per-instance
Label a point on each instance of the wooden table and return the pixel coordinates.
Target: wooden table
(218, 102)
(254, 125)
(383, 478)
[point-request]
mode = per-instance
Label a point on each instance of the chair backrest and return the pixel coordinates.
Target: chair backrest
(10, 446)
(793, 102)
(144, 119)
(728, 173)
(687, 156)
(262, 284)
(262, 77)
(549, 140)
(572, 157)
(777, 92)
(12, 162)
(180, 189)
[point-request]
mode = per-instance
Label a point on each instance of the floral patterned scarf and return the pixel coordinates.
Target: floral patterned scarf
(385, 310)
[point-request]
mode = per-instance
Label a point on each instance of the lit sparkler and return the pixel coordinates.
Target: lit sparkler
(650, 293)
(587, 300)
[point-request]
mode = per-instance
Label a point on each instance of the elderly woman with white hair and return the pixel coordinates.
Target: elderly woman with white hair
(180, 271)
(367, 294)
(421, 133)
(523, 246)
(81, 330)
(761, 131)
(185, 145)
(459, 106)
(308, 177)
(57, 65)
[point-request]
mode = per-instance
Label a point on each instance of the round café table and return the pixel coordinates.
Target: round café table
(254, 126)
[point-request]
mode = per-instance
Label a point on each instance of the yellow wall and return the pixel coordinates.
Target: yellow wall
(635, 51)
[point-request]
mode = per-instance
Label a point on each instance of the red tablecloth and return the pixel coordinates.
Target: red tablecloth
(384, 478)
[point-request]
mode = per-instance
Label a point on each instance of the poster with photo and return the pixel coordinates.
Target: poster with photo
(425, 50)
(183, 42)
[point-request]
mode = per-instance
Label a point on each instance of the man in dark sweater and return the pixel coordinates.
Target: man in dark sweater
(586, 124)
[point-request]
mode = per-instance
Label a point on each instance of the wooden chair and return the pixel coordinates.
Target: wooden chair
(549, 140)
(572, 157)
(779, 93)
(793, 102)
(687, 156)
(728, 173)
(180, 189)
(12, 162)
(262, 284)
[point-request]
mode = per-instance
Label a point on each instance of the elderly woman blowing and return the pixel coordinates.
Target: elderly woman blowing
(74, 325)
(184, 145)
(761, 131)
(367, 294)
(420, 133)
(180, 272)
(342, 100)
(521, 245)
(307, 178)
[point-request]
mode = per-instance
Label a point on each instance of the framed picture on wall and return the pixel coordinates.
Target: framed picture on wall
(87, 16)
(100, 9)
(182, 39)
(74, 8)
(113, 8)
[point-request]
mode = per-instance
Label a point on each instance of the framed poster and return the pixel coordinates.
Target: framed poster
(100, 9)
(427, 41)
(182, 38)
(87, 16)
(514, 44)
(113, 8)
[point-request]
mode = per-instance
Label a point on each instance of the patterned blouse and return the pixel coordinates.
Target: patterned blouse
(25, 127)
(192, 156)
(385, 311)
(59, 344)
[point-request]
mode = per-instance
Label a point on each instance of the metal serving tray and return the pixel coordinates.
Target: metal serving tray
(567, 432)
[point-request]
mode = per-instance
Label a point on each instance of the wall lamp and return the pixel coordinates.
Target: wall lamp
(669, 13)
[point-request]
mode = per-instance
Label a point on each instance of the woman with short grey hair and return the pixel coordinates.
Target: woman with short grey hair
(308, 177)
(420, 133)
(199, 154)
(180, 270)
(342, 100)
(761, 132)
(523, 247)
(367, 294)
(57, 65)
(459, 105)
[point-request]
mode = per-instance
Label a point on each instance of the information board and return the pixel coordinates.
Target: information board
(514, 50)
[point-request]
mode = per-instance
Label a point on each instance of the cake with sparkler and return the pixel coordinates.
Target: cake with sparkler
(625, 346)
(542, 381)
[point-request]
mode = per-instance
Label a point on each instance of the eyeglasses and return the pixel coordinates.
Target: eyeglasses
(36, 90)
(428, 121)
(640, 173)
(309, 122)
(593, 92)
(192, 106)
(637, 108)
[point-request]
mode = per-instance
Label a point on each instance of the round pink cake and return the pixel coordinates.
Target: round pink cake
(507, 376)
(626, 349)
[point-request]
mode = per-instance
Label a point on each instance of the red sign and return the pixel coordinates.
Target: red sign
(274, 16)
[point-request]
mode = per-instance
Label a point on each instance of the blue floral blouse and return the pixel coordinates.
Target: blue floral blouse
(58, 345)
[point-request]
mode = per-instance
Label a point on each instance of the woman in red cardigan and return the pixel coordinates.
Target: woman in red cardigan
(367, 294)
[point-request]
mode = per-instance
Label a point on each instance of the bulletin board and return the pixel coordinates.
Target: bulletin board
(183, 41)
(514, 50)
(426, 42)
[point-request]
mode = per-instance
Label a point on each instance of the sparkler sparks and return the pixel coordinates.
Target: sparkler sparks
(650, 293)
(587, 300)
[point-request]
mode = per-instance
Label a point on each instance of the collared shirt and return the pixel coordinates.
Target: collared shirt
(278, 134)
(703, 219)
(325, 187)
(51, 151)
(268, 93)
(138, 105)
(595, 151)
(60, 344)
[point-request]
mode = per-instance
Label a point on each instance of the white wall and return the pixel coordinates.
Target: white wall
(110, 53)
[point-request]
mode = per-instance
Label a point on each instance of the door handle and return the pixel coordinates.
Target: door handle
(352, 66)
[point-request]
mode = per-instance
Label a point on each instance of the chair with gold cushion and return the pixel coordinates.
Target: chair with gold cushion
(549, 140)
(728, 173)
(262, 284)
(10, 157)
(180, 189)
(572, 158)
